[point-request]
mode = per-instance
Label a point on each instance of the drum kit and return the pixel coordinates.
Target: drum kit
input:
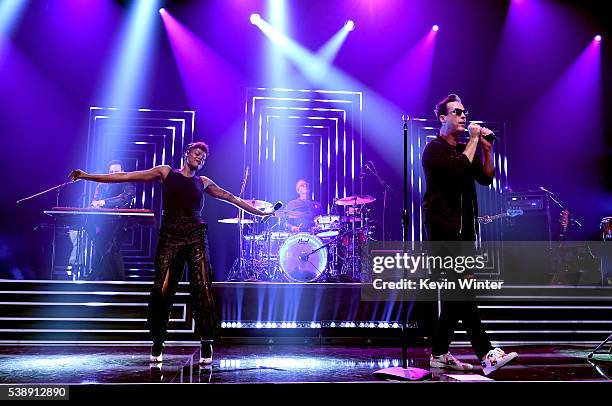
(330, 251)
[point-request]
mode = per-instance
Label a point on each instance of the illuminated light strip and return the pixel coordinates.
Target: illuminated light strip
(506, 166)
(303, 108)
(353, 161)
(90, 304)
(267, 134)
(344, 152)
(173, 137)
(412, 189)
(300, 99)
(60, 292)
(246, 111)
(321, 163)
(79, 319)
(280, 98)
(279, 89)
(328, 166)
(274, 149)
(50, 330)
(336, 191)
(332, 101)
(541, 331)
(259, 148)
(549, 321)
(163, 161)
(144, 110)
(81, 282)
(69, 319)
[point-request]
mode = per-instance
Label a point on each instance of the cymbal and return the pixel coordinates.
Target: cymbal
(355, 200)
(260, 204)
(235, 220)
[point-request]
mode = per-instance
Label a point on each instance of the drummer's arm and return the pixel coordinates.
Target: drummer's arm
(222, 194)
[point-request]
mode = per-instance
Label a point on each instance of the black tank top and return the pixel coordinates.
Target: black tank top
(182, 195)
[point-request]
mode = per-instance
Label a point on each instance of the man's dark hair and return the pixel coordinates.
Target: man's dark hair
(441, 108)
(201, 145)
(114, 162)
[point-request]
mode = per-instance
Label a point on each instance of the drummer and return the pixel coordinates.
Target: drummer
(306, 209)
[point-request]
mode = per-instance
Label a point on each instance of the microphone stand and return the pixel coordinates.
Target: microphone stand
(58, 189)
(386, 188)
(404, 373)
(241, 261)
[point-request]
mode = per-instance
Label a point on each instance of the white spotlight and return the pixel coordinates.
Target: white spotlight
(255, 18)
(349, 25)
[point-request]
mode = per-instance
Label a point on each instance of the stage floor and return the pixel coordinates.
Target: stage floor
(273, 364)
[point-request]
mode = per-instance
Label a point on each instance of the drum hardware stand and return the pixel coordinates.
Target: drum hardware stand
(386, 188)
(404, 372)
(352, 261)
(238, 271)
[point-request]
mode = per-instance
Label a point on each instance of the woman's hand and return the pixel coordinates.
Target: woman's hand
(77, 174)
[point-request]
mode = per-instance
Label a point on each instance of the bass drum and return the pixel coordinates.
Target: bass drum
(297, 258)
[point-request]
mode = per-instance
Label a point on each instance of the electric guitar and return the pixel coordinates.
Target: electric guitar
(509, 213)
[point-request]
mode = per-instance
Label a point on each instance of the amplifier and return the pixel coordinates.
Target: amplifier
(526, 201)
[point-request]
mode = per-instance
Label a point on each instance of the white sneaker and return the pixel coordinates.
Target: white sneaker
(206, 353)
(157, 350)
(448, 361)
(496, 359)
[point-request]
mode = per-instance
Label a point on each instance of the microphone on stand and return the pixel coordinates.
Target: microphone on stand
(277, 206)
(363, 170)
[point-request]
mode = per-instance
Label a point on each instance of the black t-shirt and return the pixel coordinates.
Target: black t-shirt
(450, 203)
(309, 208)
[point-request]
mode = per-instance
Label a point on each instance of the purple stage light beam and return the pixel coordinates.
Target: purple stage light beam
(412, 74)
(210, 82)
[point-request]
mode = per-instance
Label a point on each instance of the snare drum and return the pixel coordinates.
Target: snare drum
(301, 257)
(606, 228)
(327, 226)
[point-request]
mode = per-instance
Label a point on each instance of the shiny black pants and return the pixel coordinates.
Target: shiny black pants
(182, 242)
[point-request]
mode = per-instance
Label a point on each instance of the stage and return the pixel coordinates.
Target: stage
(326, 188)
(113, 364)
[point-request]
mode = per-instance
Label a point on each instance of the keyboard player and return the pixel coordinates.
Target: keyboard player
(107, 237)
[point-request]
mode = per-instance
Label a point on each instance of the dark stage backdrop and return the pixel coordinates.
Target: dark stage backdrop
(529, 65)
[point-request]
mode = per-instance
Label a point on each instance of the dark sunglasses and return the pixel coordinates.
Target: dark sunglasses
(459, 112)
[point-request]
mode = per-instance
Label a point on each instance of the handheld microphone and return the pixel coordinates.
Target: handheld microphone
(490, 137)
(277, 206)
